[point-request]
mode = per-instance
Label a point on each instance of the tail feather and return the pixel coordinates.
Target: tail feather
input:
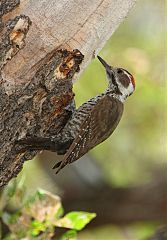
(36, 143)
(57, 165)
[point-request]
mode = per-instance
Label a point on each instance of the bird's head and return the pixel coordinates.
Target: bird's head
(120, 80)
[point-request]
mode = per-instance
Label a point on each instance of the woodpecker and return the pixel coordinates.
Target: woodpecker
(92, 123)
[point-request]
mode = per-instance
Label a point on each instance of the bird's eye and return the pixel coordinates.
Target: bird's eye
(119, 71)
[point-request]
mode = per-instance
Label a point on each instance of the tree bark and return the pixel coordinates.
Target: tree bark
(42, 44)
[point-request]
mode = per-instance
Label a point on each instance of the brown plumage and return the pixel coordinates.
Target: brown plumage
(101, 116)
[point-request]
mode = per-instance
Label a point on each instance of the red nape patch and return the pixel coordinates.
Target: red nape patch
(133, 81)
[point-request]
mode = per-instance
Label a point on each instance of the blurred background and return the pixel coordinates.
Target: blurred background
(123, 180)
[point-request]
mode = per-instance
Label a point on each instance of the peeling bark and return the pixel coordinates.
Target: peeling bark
(38, 63)
(36, 109)
(14, 33)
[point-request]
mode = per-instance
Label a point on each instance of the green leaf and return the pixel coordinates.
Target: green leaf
(9, 219)
(44, 207)
(37, 227)
(69, 235)
(75, 220)
(11, 189)
(59, 213)
(9, 237)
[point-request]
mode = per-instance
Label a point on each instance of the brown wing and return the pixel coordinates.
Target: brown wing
(100, 121)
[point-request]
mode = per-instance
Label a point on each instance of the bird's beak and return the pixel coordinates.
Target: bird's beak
(107, 67)
(109, 72)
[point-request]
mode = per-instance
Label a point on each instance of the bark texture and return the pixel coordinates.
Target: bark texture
(38, 61)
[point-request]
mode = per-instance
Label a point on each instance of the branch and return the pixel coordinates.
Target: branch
(85, 188)
(122, 205)
(36, 74)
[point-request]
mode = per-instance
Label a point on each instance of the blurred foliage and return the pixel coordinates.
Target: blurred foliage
(39, 216)
(133, 232)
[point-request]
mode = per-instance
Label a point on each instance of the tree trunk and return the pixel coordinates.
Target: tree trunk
(42, 44)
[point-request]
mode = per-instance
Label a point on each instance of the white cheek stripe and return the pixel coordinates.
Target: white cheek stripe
(125, 91)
